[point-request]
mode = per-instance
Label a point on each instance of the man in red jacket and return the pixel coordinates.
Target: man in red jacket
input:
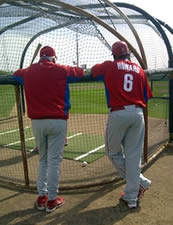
(48, 103)
(127, 93)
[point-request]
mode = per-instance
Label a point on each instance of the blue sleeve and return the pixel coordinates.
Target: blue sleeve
(71, 79)
(19, 80)
(86, 78)
(145, 95)
(99, 78)
(8, 79)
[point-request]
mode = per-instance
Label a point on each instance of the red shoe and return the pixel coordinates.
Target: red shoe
(41, 202)
(143, 189)
(141, 192)
(122, 194)
(130, 205)
(54, 204)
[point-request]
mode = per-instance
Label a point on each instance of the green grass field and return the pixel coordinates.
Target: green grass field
(7, 100)
(159, 107)
(90, 98)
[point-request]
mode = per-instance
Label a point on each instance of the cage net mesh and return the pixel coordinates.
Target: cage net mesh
(78, 40)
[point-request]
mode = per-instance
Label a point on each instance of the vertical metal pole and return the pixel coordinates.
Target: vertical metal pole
(145, 111)
(22, 134)
(171, 109)
(151, 82)
(171, 104)
(77, 48)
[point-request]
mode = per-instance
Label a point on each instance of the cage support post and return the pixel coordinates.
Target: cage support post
(171, 108)
(22, 134)
(145, 111)
(171, 102)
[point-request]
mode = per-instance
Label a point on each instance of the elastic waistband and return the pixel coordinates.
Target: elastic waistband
(123, 107)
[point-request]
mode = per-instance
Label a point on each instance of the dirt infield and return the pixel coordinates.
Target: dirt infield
(99, 205)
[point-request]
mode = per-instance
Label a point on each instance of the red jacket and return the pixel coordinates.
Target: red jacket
(47, 90)
(125, 83)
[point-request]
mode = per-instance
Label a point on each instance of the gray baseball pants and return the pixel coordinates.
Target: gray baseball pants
(50, 138)
(124, 138)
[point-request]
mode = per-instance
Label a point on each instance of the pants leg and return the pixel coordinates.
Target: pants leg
(50, 136)
(55, 156)
(113, 143)
(124, 139)
(133, 148)
(41, 140)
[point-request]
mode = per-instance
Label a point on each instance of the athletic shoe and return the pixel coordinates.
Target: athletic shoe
(130, 205)
(41, 202)
(142, 190)
(54, 204)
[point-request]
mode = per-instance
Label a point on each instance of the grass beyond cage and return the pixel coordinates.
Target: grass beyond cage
(158, 105)
(7, 95)
(88, 98)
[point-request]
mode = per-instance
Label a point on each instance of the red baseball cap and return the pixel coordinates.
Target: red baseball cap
(47, 51)
(120, 48)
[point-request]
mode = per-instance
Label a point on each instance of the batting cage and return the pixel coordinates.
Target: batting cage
(82, 33)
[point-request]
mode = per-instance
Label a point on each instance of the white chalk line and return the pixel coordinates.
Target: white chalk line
(90, 152)
(11, 131)
(17, 142)
(74, 135)
(31, 138)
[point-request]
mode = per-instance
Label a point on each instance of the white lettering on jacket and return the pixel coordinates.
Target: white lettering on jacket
(124, 66)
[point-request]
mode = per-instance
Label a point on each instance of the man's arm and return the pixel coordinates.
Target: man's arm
(8, 79)
(98, 70)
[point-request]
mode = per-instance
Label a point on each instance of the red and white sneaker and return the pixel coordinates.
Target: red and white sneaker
(54, 204)
(130, 205)
(141, 192)
(41, 202)
(143, 189)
